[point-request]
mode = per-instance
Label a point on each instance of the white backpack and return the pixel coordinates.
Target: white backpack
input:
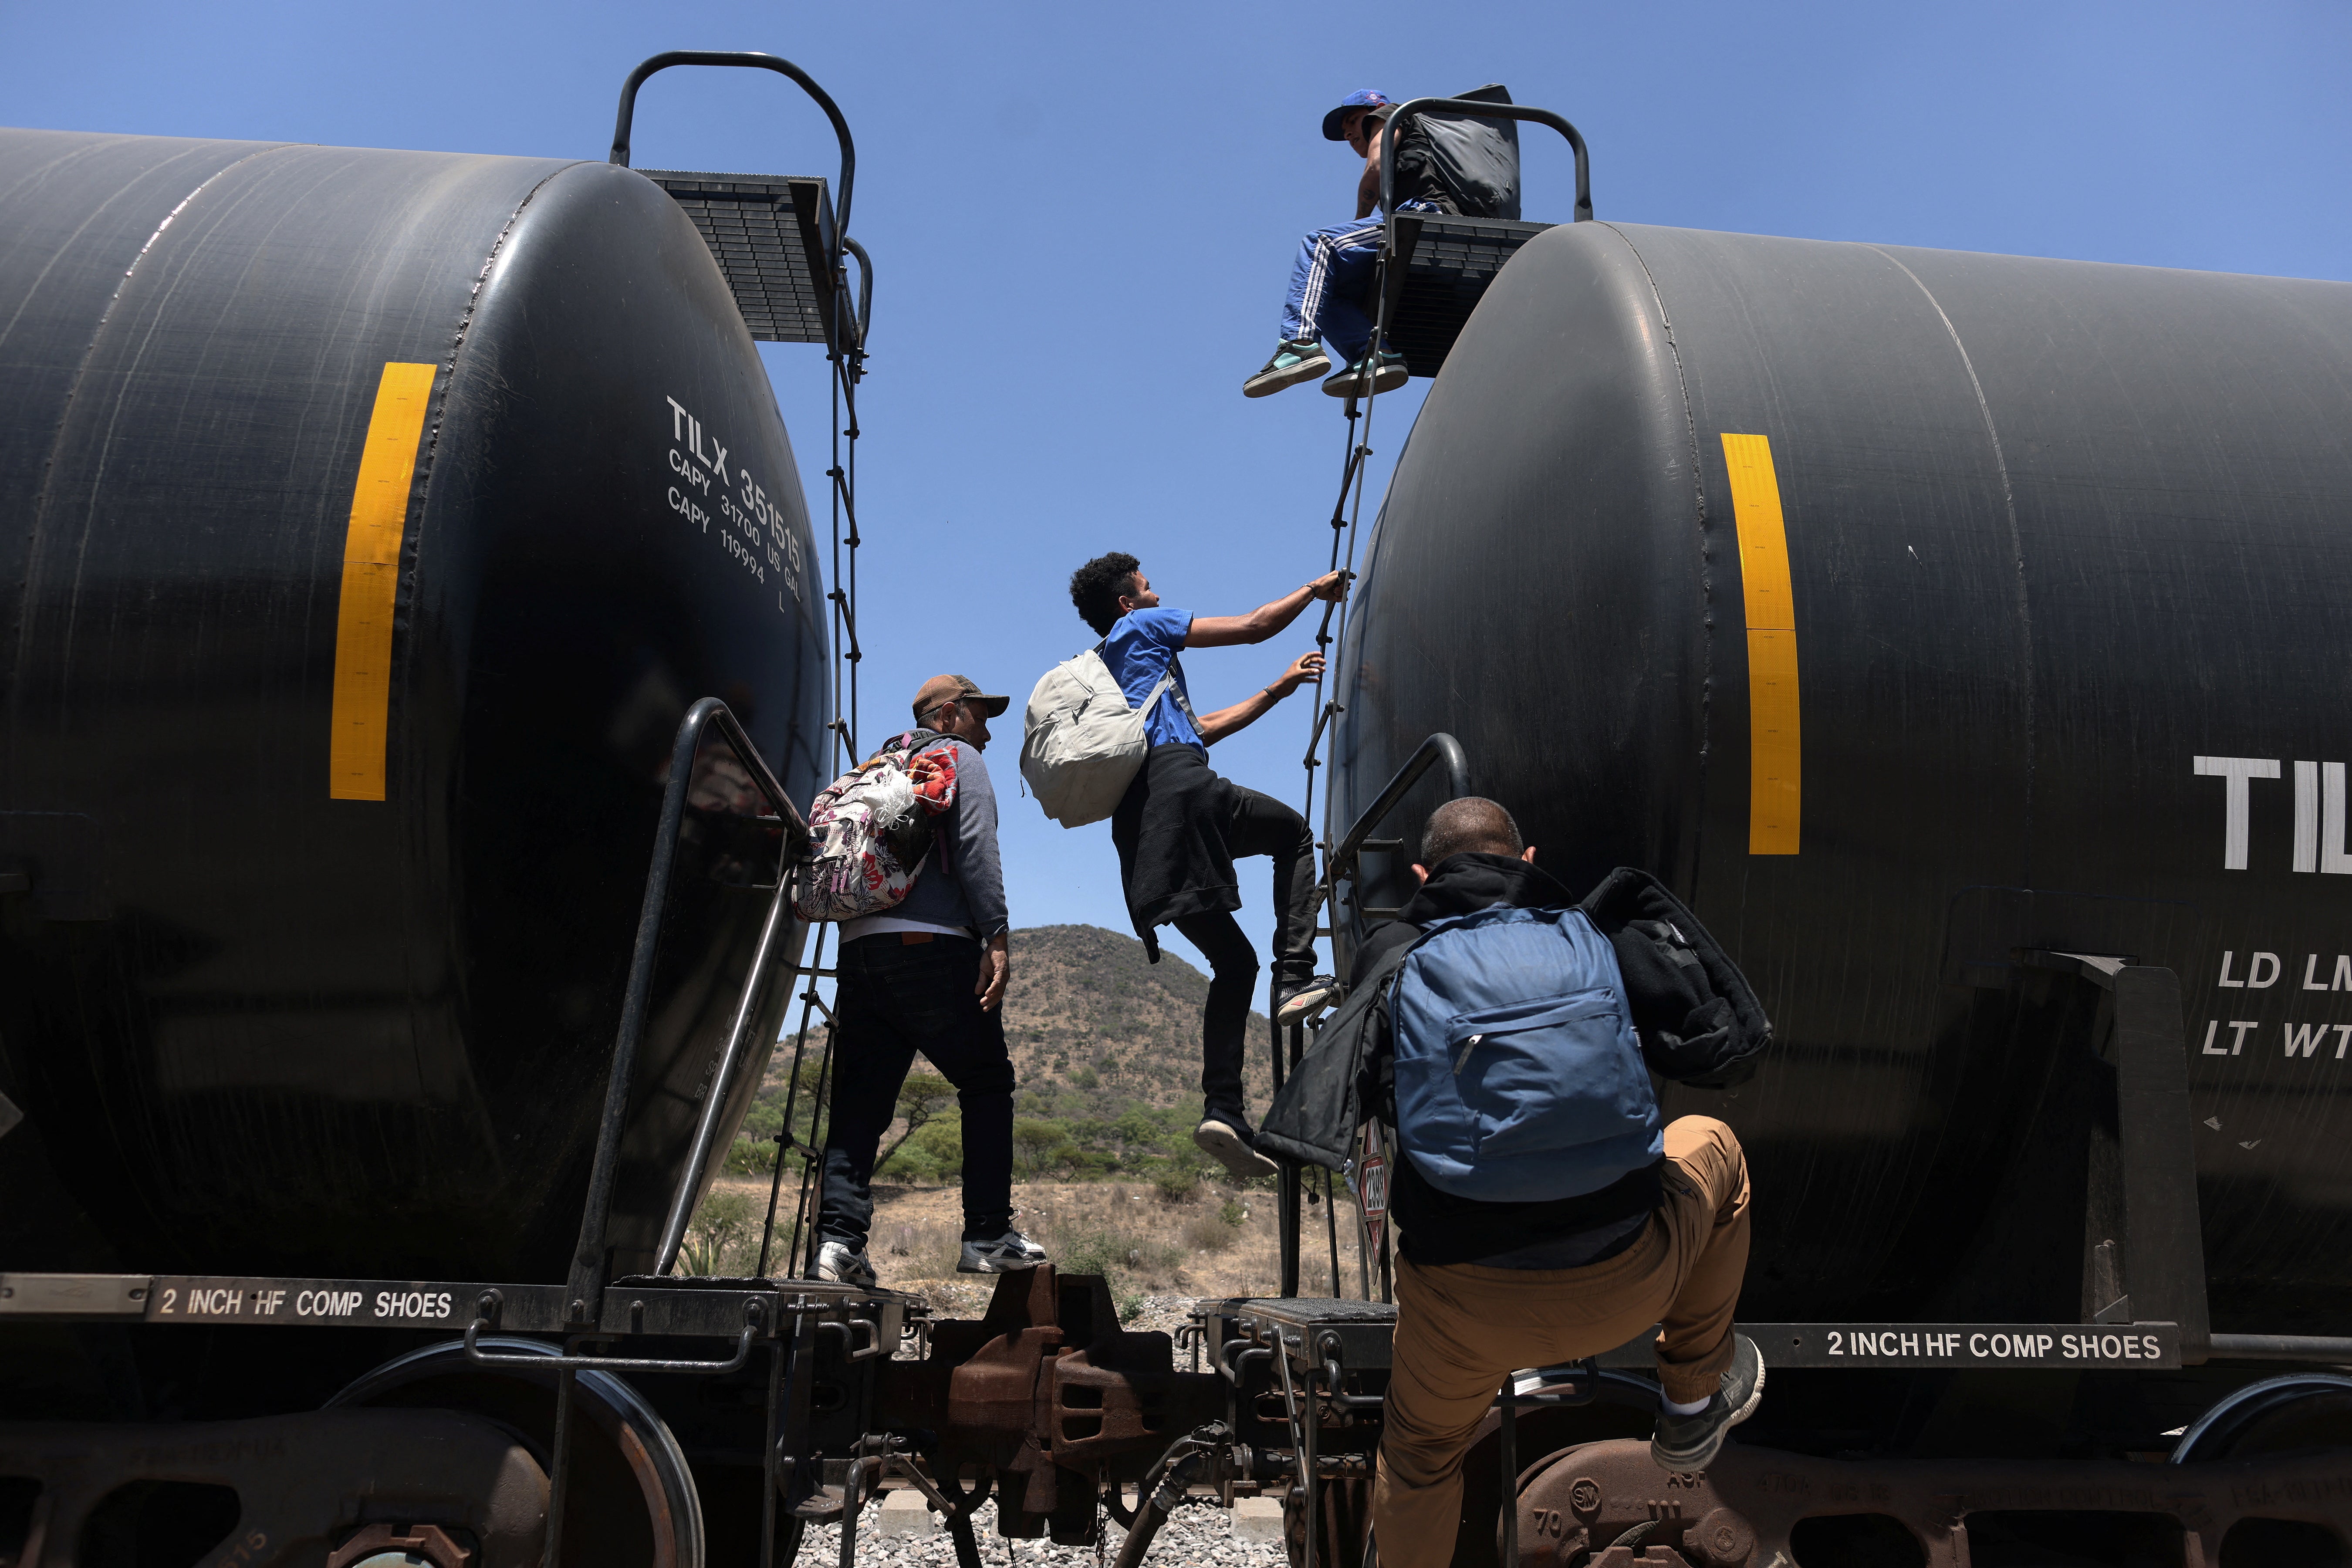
(1081, 742)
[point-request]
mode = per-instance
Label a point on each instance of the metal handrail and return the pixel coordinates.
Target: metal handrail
(1458, 778)
(1477, 110)
(849, 1336)
(587, 1280)
(864, 290)
(486, 1312)
(722, 1080)
(755, 60)
(2319, 1348)
(1587, 1382)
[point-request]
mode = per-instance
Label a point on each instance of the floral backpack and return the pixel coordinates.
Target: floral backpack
(870, 829)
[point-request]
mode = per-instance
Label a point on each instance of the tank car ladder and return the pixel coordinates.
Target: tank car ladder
(1425, 304)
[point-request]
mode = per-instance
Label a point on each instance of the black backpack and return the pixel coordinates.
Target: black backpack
(1698, 1021)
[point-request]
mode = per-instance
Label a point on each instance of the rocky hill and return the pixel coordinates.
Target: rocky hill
(1095, 1027)
(1092, 1023)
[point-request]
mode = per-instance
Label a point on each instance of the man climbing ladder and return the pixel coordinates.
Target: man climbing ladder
(1179, 826)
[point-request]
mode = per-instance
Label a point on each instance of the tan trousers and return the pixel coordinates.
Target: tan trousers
(1462, 1329)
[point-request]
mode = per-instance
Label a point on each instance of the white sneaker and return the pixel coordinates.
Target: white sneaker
(1297, 1005)
(1008, 1253)
(843, 1264)
(1226, 1145)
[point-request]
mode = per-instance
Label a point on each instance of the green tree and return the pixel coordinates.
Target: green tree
(1138, 1129)
(1034, 1140)
(935, 1151)
(921, 1098)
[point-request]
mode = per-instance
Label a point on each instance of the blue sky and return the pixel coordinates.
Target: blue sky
(1082, 215)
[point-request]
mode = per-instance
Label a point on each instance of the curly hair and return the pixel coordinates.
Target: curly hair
(1096, 586)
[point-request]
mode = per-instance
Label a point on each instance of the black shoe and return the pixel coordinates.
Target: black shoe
(1383, 371)
(1009, 1253)
(1687, 1443)
(1302, 999)
(1292, 363)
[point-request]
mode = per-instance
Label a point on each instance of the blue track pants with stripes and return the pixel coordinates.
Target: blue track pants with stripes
(1329, 283)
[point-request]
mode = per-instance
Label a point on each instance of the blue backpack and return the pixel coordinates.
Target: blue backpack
(1519, 1076)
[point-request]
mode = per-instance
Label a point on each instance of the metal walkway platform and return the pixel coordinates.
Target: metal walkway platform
(772, 234)
(1443, 264)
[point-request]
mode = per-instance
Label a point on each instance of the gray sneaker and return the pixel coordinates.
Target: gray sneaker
(1687, 1443)
(843, 1263)
(1229, 1147)
(1008, 1253)
(1292, 363)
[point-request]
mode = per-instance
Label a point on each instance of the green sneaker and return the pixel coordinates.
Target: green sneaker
(1388, 374)
(1292, 363)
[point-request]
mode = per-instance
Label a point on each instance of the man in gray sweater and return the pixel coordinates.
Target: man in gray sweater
(930, 977)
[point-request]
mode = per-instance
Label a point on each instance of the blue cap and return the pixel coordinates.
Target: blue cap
(1362, 98)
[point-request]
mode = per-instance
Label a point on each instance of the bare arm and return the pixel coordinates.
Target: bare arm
(1368, 189)
(1215, 727)
(1225, 631)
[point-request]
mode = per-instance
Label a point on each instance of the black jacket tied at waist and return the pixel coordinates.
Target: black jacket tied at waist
(1171, 832)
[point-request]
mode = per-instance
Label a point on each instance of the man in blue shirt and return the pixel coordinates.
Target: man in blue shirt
(1180, 827)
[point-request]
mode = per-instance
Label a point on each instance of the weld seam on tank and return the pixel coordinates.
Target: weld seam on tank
(1706, 557)
(40, 506)
(412, 549)
(2016, 550)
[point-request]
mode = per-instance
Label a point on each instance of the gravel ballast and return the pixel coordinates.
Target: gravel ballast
(1197, 1533)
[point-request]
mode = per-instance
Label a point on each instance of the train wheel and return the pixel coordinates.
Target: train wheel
(2276, 1415)
(631, 1500)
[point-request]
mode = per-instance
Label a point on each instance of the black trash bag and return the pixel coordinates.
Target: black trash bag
(1478, 161)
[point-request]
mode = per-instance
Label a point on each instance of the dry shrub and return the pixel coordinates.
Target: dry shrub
(1209, 1232)
(1127, 1244)
(1176, 1182)
(916, 1250)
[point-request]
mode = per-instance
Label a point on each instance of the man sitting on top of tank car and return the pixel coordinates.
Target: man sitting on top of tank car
(1179, 826)
(1335, 264)
(930, 977)
(1483, 1287)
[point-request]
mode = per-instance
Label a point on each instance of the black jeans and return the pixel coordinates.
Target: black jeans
(1257, 824)
(895, 998)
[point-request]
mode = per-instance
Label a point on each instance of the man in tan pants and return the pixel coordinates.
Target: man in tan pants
(1485, 1288)
(1462, 1328)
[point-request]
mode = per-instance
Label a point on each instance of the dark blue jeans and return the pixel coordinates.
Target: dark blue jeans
(897, 998)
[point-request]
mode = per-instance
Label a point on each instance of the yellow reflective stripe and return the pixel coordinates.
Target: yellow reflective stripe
(363, 711)
(1775, 755)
